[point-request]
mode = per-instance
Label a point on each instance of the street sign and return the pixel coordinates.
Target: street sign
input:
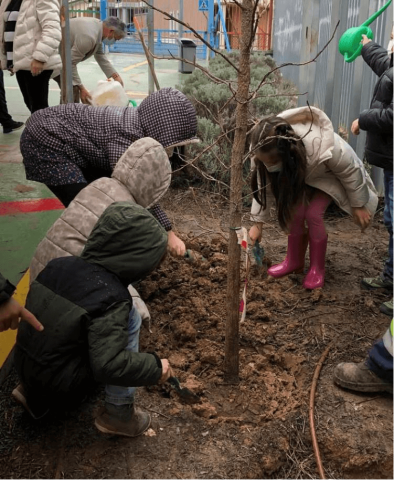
(203, 5)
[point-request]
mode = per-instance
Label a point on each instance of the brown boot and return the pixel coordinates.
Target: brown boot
(37, 407)
(358, 377)
(126, 420)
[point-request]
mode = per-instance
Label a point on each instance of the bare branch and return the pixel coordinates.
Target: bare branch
(237, 2)
(255, 25)
(196, 34)
(206, 149)
(215, 79)
(294, 64)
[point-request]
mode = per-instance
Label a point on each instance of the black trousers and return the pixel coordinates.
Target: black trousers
(67, 193)
(34, 89)
(5, 117)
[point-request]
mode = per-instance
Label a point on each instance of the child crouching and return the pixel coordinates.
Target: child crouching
(91, 329)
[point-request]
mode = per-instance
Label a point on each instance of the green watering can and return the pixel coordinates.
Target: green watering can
(349, 44)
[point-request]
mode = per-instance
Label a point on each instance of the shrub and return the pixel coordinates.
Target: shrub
(216, 112)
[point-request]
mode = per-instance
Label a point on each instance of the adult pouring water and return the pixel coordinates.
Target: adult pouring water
(68, 146)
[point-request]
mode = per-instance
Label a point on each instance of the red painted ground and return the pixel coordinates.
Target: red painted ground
(29, 206)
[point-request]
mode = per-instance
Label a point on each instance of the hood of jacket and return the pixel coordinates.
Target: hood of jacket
(315, 129)
(145, 170)
(168, 116)
(127, 241)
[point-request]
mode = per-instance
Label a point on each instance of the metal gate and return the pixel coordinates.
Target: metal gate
(166, 31)
(301, 29)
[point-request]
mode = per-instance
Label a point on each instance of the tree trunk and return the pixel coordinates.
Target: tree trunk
(231, 360)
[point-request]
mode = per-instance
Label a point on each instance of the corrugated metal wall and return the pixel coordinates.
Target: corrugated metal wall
(301, 28)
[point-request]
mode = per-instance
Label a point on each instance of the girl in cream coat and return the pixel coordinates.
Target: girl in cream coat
(305, 166)
(30, 47)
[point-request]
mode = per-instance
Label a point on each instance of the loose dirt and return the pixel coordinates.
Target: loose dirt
(258, 428)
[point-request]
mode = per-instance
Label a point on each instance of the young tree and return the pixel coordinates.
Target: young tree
(242, 95)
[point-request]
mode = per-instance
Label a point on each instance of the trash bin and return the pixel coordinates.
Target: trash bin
(187, 50)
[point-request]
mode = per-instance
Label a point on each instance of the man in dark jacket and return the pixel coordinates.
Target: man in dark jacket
(91, 327)
(375, 373)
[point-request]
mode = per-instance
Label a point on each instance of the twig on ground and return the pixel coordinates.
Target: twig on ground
(158, 413)
(311, 409)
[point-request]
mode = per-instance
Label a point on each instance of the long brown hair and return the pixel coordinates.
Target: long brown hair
(275, 135)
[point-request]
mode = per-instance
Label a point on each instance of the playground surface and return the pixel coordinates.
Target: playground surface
(257, 429)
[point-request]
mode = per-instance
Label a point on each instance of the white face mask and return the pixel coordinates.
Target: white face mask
(277, 167)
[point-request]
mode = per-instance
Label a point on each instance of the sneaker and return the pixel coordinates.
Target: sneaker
(12, 127)
(36, 409)
(387, 308)
(358, 377)
(376, 282)
(124, 420)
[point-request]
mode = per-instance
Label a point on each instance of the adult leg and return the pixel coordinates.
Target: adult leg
(35, 89)
(388, 221)
(5, 117)
(22, 77)
(121, 417)
(375, 374)
(67, 193)
(93, 173)
(57, 79)
(76, 92)
(297, 243)
(385, 279)
(314, 216)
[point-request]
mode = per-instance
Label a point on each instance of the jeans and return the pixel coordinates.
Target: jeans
(388, 221)
(380, 361)
(125, 395)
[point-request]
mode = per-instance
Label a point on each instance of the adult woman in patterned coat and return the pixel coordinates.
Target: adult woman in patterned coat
(68, 146)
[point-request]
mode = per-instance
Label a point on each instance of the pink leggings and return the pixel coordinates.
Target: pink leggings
(313, 214)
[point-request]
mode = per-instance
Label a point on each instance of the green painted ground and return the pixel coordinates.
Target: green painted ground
(20, 234)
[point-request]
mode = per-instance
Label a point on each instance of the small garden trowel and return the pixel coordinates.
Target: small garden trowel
(185, 394)
(258, 253)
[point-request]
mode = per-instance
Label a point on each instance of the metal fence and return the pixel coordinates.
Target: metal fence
(301, 29)
(166, 32)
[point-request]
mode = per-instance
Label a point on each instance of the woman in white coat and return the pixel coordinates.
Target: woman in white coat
(30, 35)
(306, 166)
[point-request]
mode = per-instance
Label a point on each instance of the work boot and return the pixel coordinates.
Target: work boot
(295, 257)
(13, 125)
(375, 283)
(317, 252)
(36, 407)
(358, 377)
(126, 420)
(387, 308)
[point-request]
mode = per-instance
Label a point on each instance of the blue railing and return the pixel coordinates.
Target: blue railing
(166, 43)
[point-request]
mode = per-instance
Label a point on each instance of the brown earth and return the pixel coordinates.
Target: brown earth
(260, 427)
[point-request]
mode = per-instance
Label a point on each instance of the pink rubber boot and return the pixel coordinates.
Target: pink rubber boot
(315, 276)
(295, 257)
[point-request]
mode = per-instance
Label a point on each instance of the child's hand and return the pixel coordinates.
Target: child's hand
(361, 217)
(365, 40)
(175, 245)
(11, 313)
(166, 371)
(255, 232)
(355, 127)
